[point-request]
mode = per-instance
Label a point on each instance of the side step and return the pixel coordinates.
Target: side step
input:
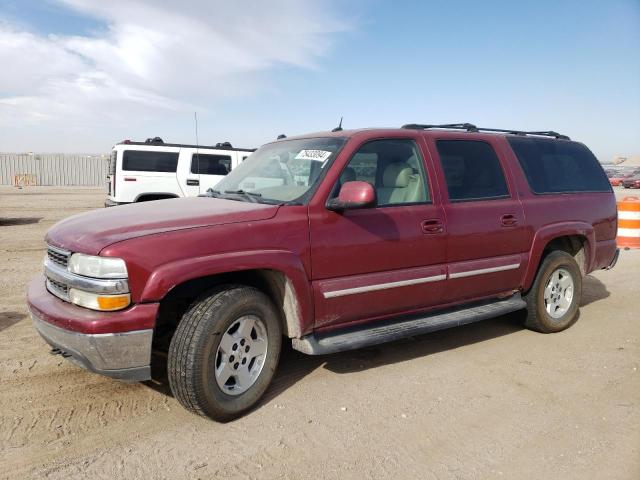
(387, 331)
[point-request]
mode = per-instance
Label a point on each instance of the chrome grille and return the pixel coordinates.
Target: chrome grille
(56, 255)
(60, 290)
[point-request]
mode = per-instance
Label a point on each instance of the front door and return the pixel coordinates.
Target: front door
(375, 262)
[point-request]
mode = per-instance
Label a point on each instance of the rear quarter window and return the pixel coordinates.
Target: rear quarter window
(147, 161)
(559, 166)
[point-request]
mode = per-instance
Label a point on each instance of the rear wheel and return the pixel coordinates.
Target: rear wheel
(224, 352)
(554, 298)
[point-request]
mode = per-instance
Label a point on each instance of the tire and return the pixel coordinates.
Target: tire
(216, 323)
(550, 316)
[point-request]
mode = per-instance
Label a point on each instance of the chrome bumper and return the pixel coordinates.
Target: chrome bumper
(125, 356)
(614, 260)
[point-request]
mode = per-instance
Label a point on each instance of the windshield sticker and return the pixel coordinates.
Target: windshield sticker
(316, 155)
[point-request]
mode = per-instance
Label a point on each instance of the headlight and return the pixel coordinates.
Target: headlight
(96, 301)
(97, 267)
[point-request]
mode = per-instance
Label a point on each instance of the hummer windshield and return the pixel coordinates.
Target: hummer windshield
(280, 172)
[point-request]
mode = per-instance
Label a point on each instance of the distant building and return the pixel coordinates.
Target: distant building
(626, 160)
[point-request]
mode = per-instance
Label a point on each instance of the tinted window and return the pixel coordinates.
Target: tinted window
(472, 170)
(207, 164)
(393, 167)
(145, 161)
(553, 166)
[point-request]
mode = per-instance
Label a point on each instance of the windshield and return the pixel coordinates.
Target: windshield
(283, 171)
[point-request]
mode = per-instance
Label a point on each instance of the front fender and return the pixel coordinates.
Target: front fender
(546, 234)
(167, 276)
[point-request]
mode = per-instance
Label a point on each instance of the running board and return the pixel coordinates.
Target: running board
(388, 331)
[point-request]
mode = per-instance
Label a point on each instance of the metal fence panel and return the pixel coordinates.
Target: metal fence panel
(56, 169)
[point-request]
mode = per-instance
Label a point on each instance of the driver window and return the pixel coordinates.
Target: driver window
(394, 168)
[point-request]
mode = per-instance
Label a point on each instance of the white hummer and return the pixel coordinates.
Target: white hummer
(153, 170)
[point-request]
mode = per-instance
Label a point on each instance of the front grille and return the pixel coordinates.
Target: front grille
(58, 256)
(60, 290)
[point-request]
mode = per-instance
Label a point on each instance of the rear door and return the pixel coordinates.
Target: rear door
(485, 219)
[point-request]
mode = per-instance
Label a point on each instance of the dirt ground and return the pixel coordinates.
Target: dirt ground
(488, 400)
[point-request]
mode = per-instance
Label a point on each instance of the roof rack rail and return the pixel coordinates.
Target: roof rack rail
(469, 127)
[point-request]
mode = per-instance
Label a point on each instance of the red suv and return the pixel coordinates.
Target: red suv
(336, 241)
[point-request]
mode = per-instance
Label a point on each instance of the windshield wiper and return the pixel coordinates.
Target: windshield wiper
(253, 196)
(211, 193)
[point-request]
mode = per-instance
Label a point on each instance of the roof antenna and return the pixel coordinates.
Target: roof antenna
(339, 127)
(195, 117)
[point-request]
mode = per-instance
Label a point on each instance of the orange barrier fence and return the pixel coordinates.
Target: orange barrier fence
(629, 222)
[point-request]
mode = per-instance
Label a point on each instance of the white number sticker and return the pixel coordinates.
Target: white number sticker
(316, 155)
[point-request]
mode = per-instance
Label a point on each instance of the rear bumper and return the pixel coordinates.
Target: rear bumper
(115, 344)
(614, 260)
(111, 203)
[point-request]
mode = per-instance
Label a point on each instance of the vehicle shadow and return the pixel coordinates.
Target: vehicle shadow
(8, 319)
(8, 222)
(294, 366)
(593, 290)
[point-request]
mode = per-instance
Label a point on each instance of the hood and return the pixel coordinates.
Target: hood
(92, 231)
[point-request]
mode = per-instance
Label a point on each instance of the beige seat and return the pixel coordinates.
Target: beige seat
(400, 185)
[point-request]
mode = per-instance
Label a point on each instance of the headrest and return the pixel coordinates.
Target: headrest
(348, 175)
(397, 175)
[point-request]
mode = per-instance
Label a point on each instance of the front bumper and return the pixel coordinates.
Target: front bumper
(115, 344)
(125, 356)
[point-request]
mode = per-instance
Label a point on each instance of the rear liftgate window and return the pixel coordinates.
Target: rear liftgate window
(472, 170)
(144, 161)
(558, 166)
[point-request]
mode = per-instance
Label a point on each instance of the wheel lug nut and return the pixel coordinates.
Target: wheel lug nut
(242, 342)
(236, 366)
(246, 349)
(235, 346)
(231, 358)
(244, 360)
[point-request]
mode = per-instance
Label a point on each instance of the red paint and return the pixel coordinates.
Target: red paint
(319, 250)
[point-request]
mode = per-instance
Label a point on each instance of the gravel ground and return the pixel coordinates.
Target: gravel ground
(488, 400)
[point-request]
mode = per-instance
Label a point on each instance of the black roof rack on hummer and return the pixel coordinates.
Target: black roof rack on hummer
(469, 127)
(159, 141)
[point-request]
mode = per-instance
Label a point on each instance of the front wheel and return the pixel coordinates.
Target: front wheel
(554, 298)
(224, 352)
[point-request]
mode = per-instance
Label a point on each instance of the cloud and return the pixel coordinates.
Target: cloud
(156, 56)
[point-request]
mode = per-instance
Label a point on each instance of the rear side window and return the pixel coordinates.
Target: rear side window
(208, 164)
(557, 166)
(472, 170)
(146, 161)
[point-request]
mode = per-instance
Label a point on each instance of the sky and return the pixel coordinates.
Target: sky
(81, 75)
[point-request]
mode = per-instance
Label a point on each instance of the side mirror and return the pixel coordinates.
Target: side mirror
(353, 195)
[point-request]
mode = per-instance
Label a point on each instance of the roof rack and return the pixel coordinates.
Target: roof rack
(469, 127)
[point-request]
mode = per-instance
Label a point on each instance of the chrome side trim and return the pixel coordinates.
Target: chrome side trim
(383, 286)
(482, 271)
(95, 285)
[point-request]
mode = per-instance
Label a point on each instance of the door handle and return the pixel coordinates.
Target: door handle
(193, 182)
(432, 226)
(508, 220)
